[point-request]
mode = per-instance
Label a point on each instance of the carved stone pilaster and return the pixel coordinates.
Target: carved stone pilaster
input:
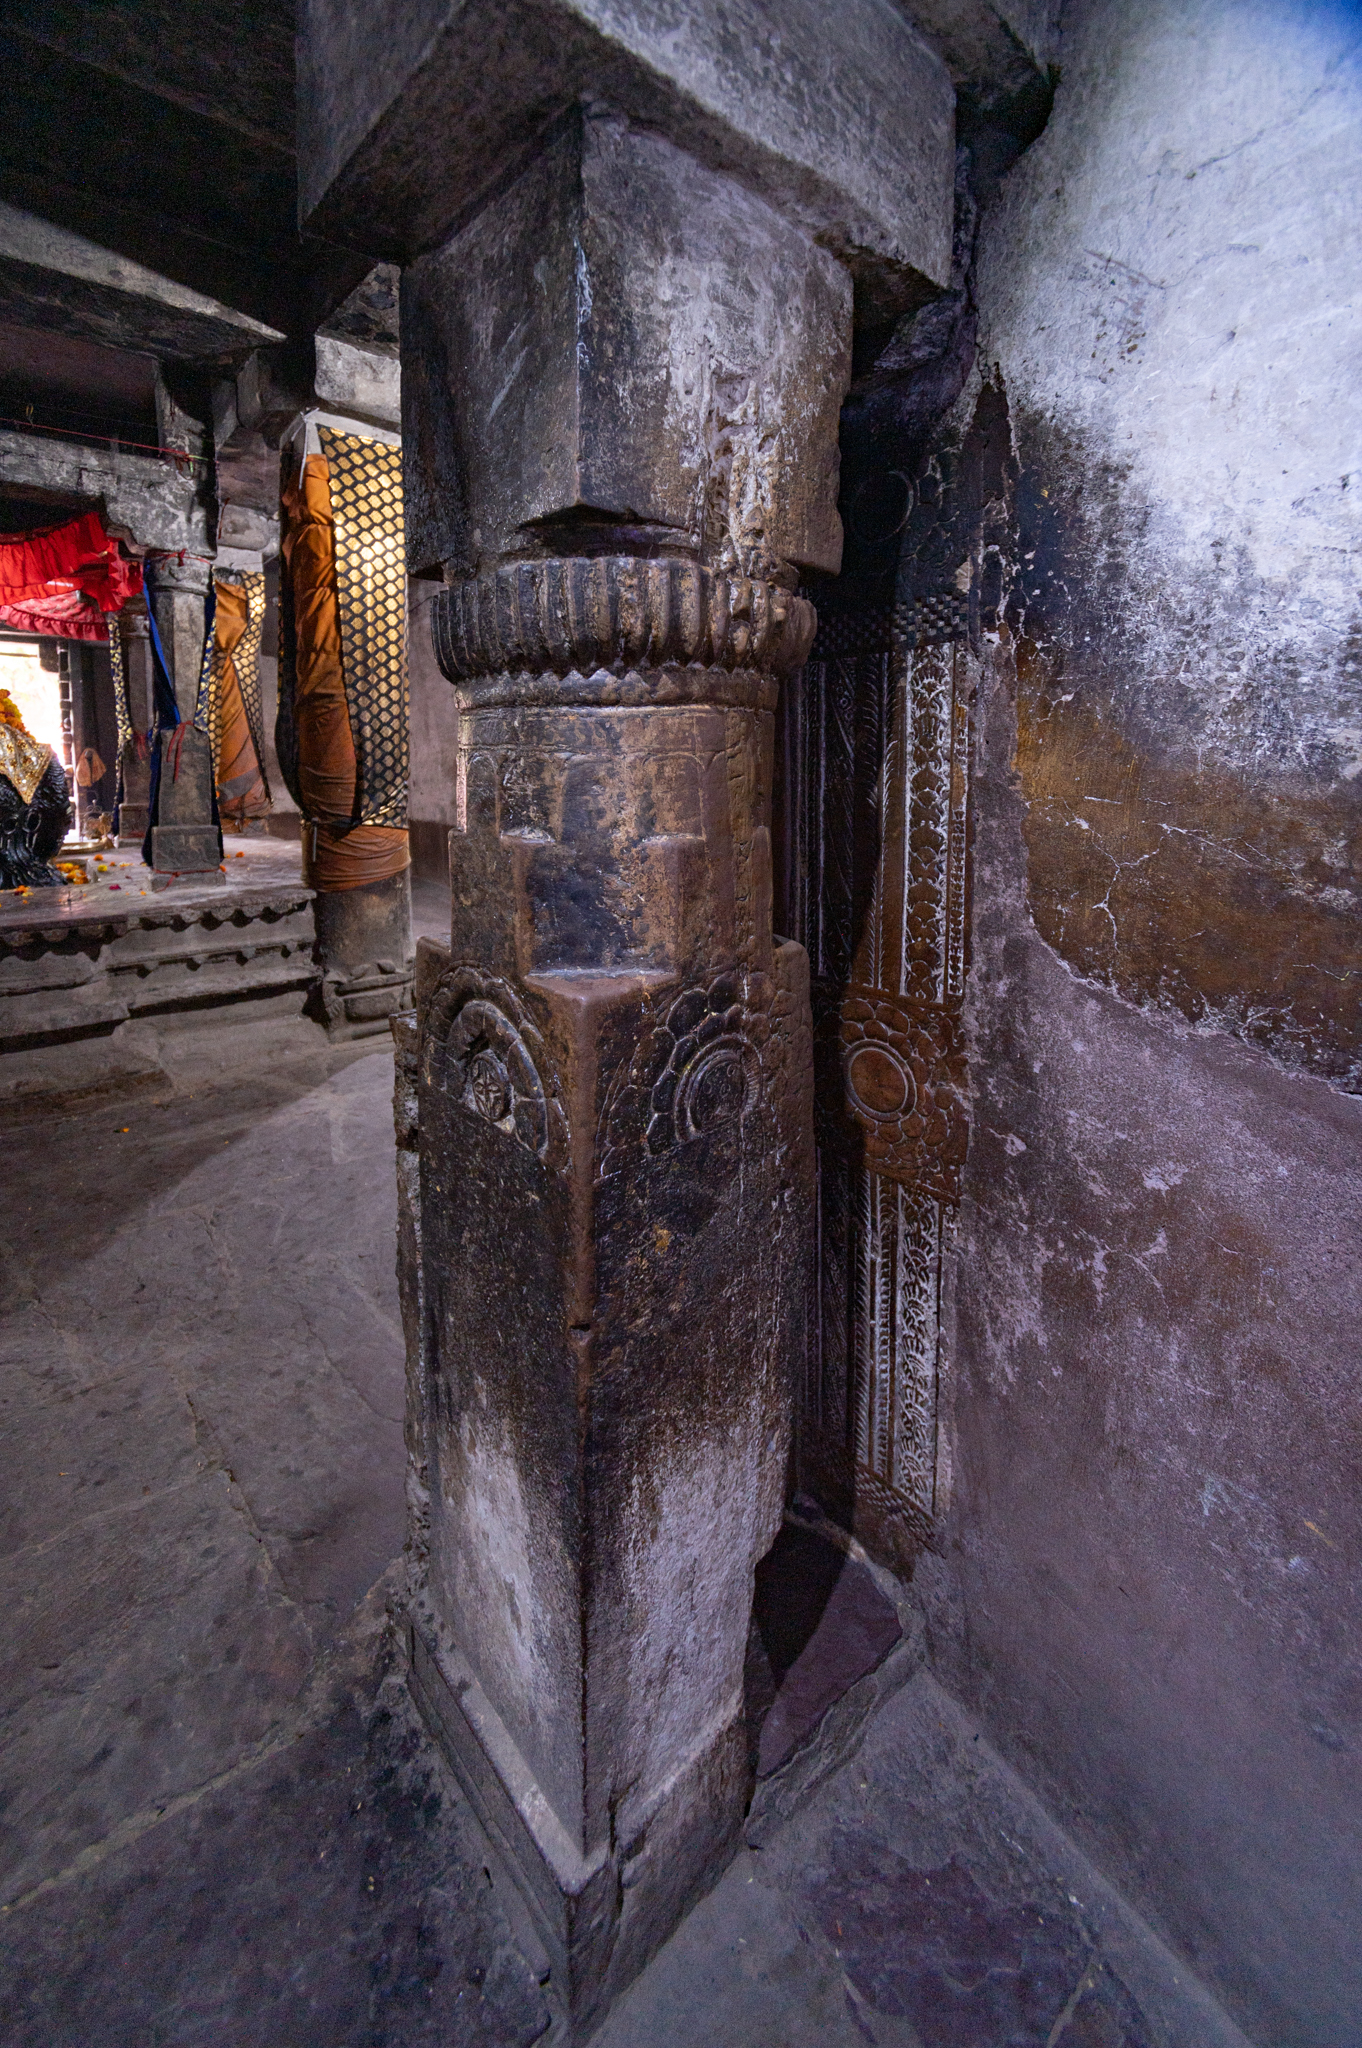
(878, 803)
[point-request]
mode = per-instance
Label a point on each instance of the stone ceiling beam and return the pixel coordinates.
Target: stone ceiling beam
(993, 54)
(150, 500)
(410, 115)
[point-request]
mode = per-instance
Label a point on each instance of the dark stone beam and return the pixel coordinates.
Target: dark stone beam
(410, 116)
(152, 502)
(228, 61)
(158, 182)
(52, 278)
(995, 54)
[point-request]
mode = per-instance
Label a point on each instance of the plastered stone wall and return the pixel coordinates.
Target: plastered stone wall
(1167, 286)
(1148, 1582)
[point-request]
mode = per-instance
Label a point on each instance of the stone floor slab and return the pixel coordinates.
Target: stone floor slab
(141, 1652)
(250, 1281)
(920, 1899)
(329, 1897)
(224, 1825)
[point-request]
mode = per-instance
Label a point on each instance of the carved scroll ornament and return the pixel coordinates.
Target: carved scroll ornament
(479, 1047)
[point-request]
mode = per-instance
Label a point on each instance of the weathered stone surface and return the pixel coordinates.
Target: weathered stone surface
(343, 372)
(921, 1895)
(368, 317)
(186, 118)
(409, 118)
(153, 500)
(185, 841)
(821, 1628)
(88, 961)
(1152, 1432)
(1150, 1419)
(253, 1183)
(994, 53)
(324, 1888)
(184, 837)
(621, 1079)
(235, 1641)
(252, 408)
(245, 528)
(643, 352)
(604, 1096)
(601, 618)
(1228, 894)
(332, 1893)
(1185, 419)
(358, 381)
(364, 952)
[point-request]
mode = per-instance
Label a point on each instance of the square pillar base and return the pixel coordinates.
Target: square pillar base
(362, 1004)
(187, 850)
(587, 1925)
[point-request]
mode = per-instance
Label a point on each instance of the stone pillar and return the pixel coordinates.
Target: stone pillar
(134, 813)
(623, 355)
(611, 1060)
(184, 839)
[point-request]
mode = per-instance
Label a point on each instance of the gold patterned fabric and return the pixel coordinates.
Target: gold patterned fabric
(315, 740)
(23, 759)
(122, 716)
(246, 662)
(371, 594)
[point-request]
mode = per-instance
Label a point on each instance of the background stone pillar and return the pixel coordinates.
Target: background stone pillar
(184, 839)
(342, 728)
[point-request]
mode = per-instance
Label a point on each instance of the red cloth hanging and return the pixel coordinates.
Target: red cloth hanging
(62, 581)
(69, 616)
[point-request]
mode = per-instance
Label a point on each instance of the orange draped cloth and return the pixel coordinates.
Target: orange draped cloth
(241, 782)
(336, 853)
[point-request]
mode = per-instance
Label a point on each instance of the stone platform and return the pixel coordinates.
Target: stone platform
(81, 967)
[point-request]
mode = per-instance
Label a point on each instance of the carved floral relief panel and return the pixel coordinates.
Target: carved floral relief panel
(877, 778)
